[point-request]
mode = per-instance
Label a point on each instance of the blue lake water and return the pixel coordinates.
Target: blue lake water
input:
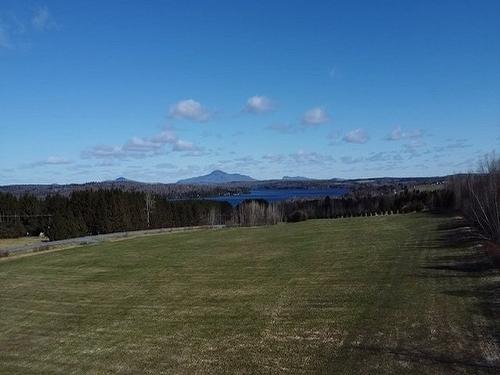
(275, 195)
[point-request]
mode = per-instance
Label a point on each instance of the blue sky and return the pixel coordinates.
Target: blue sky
(162, 90)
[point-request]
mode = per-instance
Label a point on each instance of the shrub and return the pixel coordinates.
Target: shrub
(297, 216)
(478, 197)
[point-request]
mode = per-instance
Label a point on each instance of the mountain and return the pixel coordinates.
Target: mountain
(216, 177)
(296, 178)
(122, 179)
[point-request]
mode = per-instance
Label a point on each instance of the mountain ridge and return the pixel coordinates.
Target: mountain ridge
(216, 177)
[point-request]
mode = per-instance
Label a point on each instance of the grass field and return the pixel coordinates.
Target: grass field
(393, 294)
(21, 241)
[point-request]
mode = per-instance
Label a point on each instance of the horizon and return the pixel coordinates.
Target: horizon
(162, 92)
(283, 178)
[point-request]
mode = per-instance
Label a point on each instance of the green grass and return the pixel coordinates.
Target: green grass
(362, 295)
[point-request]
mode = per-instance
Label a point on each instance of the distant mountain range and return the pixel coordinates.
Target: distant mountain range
(216, 177)
(221, 177)
(215, 183)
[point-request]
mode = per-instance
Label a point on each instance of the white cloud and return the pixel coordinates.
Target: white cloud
(315, 116)
(166, 136)
(275, 158)
(304, 157)
(51, 160)
(259, 104)
(413, 148)
(141, 145)
(356, 136)
(300, 157)
(104, 152)
(398, 134)
(107, 163)
(190, 109)
(181, 145)
(138, 147)
(378, 156)
(351, 160)
(42, 19)
(374, 157)
(56, 160)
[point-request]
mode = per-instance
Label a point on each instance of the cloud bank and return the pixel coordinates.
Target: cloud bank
(139, 147)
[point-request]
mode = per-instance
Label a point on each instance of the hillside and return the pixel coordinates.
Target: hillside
(391, 294)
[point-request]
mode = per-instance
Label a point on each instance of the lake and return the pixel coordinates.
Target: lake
(275, 195)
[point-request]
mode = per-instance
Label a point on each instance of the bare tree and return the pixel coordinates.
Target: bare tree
(478, 197)
(258, 213)
(274, 213)
(150, 203)
(214, 216)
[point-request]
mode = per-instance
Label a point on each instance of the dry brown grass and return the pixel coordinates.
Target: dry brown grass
(21, 241)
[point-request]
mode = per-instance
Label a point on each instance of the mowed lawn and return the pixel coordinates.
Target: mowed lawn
(355, 296)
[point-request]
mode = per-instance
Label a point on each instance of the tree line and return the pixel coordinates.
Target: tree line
(262, 212)
(171, 191)
(94, 212)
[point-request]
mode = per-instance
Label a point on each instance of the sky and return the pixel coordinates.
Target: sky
(157, 91)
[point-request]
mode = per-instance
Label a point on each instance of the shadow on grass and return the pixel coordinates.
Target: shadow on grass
(461, 253)
(457, 233)
(467, 254)
(419, 356)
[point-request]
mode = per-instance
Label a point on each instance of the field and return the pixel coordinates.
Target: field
(393, 294)
(21, 241)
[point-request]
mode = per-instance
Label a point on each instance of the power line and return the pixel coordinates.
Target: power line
(16, 217)
(39, 215)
